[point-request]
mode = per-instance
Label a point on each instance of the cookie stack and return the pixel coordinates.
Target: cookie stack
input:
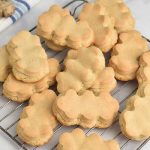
(86, 82)
(25, 68)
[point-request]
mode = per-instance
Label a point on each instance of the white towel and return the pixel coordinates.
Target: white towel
(22, 6)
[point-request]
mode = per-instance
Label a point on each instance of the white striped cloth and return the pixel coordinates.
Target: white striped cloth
(22, 6)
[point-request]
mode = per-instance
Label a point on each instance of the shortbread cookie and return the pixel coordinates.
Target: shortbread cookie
(82, 68)
(77, 140)
(143, 73)
(20, 91)
(5, 67)
(63, 30)
(37, 121)
(119, 11)
(6, 8)
(105, 82)
(126, 53)
(27, 57)
(86, 110)
(135, 119)
(101, 24)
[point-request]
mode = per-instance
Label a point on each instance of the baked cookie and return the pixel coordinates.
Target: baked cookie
(86, 110)
(126, 53)
(63, 30)
(82, 68)
(37, 121)
(5, 67)
(135, 119)
(119, 11)
(143, 73)
(77, 140)
(20, 91)
(27, 57)
(6, 8)
(101, 24)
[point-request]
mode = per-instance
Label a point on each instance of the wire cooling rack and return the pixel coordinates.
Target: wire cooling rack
(10, 111)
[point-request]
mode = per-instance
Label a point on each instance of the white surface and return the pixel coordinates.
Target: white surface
(141, 12)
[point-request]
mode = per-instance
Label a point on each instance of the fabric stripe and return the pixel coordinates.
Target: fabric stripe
(25, 3)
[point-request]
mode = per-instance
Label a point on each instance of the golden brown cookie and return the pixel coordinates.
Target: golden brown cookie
(27, 57)
(37, 121)
(77, 140)
(5, 67)
(63, 30)
(20, 91)
(86, 110)
(82, 68)
(126, 53)
(119, 11)
(6, 8)
(101, 24)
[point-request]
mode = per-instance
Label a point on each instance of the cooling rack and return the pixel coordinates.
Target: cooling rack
(10, 111)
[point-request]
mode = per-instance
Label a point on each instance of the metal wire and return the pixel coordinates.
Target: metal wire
(21, 145)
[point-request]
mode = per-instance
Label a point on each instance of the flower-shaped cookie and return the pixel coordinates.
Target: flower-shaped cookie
(135, 119)
(20, 91)
(119, 11)
(37, 121)
(77, 140)
(126, 53)
(86, 110)
(63, 30)
(82, 68)
(27, 57)
(105, 36)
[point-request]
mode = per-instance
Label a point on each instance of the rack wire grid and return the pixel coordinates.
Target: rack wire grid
(10, 111)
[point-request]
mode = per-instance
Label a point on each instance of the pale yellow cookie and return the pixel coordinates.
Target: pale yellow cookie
(27, 57)
(20, 91)
(126, 53)
(63, 30)
(135, 119)
(37, 121)
(86, 110)
(6, 8)
(105, 36)
(5, 67)
(77, 140)
(119, 11)
(82, 68)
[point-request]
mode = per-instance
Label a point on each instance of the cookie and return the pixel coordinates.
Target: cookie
(82, 68)
(6, 8)
(21, 91)
(27, 57)
(135, 119)
(143, 73)
(86, 110)
(5, 67)
(119, 11)
(63, 30)
(77, 140)
(101, 24)
(126, 53)
(37, 121)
